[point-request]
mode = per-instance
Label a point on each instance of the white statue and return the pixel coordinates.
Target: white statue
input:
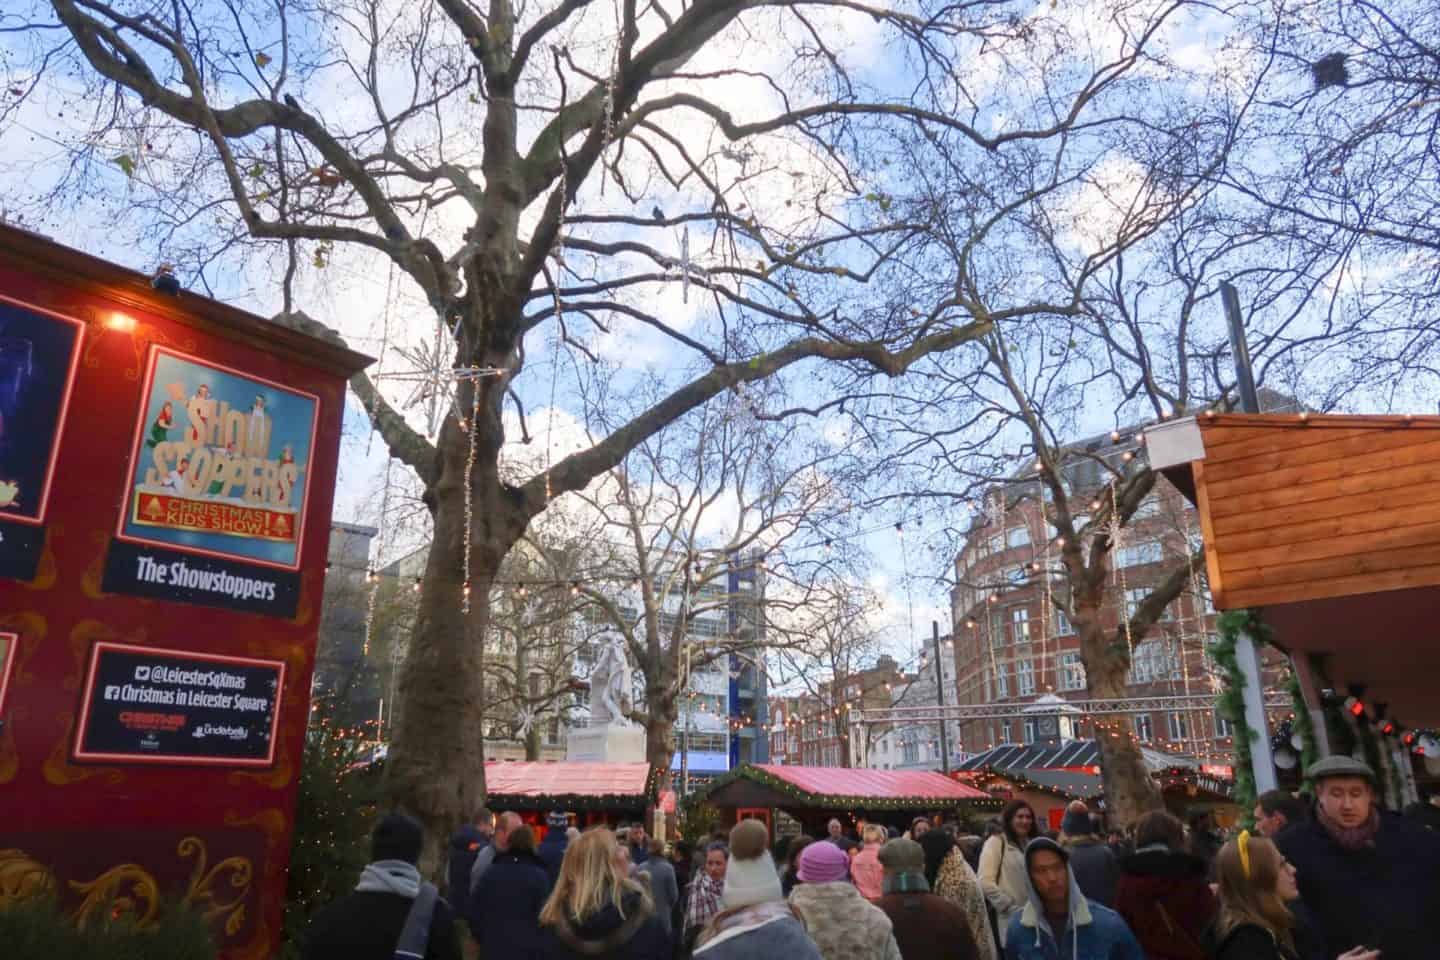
(610, 685)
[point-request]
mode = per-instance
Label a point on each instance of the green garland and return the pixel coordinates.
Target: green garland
(1230, 704)
(1374, 756)
(1303, 725)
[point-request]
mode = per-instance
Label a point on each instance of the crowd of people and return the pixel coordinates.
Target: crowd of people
(1333, 877)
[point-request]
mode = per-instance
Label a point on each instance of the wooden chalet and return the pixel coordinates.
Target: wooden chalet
(812, 795)
(1331, 524)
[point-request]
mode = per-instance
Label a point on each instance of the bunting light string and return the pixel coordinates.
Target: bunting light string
(469, 500)
(1115, 548)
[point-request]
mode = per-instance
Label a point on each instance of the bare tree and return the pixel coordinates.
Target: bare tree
(719, 494)
(834, 641)
(451, 140)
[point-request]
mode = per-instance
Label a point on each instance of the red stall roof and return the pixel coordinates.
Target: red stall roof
(558, 782)
(873, 784)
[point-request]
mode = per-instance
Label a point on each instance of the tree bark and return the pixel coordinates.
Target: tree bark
(1130, 791)
(435, 770)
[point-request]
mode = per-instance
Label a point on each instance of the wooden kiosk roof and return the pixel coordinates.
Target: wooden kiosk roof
(838, 788)
(541, 785)
(1332, 525)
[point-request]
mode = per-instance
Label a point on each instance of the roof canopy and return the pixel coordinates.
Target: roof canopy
(1068, 754)
(836, 788)
(570, 786)
(1332, 525)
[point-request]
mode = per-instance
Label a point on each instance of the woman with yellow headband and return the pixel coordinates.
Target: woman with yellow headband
(1254, 924)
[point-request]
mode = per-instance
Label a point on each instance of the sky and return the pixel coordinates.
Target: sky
(384, 315)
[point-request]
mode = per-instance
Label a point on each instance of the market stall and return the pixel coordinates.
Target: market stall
(590, 793)
(813, 795)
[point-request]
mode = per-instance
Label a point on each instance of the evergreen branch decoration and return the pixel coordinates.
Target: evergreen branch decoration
(1231, 702)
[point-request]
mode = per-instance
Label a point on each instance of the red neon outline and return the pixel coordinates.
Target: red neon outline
(6, 664)
(86, 694)
(80, 325)
(127, 503)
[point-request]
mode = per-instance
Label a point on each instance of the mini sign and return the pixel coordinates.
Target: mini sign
(151, 705)
(215, 502)
(39, 352)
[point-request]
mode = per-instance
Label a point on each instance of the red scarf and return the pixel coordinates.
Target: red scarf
(1352, 838)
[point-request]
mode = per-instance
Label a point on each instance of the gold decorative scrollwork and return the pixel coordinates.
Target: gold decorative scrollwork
(140, 336)
(48, 571)
(21, 877)
(202, 894)
(118, 892)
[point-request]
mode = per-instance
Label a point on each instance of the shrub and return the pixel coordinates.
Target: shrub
(333, 818)
(35, 928)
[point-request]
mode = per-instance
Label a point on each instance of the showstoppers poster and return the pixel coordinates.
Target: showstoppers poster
(219, 485)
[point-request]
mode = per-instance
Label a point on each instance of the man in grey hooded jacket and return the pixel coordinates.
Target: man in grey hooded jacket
(1057, 922)
(392, 911)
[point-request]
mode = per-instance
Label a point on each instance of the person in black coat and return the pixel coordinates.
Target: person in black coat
(552, 848)
(505, 905)
(465, 845)
(1094, 864)
(366, 924)
(1370, 878)
(622, 927)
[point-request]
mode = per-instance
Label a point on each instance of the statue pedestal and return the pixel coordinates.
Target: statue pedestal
(607, 744)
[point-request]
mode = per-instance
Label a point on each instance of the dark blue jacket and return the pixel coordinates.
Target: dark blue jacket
(465, 844)
(504, 914)
(552, 852)
(1387, 897)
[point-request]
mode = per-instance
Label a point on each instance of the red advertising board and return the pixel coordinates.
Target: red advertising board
(167, 466)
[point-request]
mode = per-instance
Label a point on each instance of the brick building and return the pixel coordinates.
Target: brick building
(1014, 642)
(812, 729)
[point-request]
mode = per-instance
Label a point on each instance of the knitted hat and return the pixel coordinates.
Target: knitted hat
(397, 837)
(903, 856)
(1340, 766)
(823, 863)
(1077, 822)
(750, 875)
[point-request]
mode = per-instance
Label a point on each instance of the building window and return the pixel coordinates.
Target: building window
(1019, 618)
(1017, 537)
(1136, 596)
(1144, 729)
(1149, 507)
(1030, 730)
(1179, 728)
(1154, 660)
(1002, 682)
(1140, 553)
(1025, 677)
(1004, 733)
(1222, 727)
(1062, 624)
(1072, 671)
(995, 544)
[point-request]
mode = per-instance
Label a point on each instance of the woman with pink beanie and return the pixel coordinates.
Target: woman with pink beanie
(843, 924)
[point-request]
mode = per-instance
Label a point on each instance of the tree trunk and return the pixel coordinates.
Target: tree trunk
(660, 714)
(435, 770)
(1130, 791)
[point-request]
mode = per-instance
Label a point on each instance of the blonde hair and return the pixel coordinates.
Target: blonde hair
(874, 833)
(1249, 889)
(589, 880)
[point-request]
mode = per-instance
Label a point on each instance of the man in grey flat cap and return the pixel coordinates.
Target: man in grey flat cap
(1370, 877)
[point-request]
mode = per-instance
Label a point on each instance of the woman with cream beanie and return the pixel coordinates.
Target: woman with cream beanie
(754, 919)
